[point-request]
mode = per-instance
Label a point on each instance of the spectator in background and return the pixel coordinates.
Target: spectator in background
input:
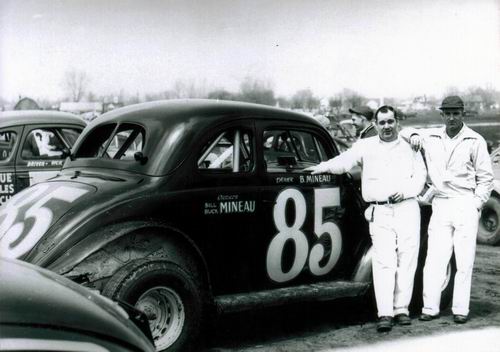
(362, 117)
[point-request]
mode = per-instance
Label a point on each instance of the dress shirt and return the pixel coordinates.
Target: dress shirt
(387, 168)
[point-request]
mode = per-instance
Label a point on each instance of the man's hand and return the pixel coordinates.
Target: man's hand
(316, 169)
(416, 142)
(396, 197)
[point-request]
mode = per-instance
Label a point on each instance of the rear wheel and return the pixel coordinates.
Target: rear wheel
(489, 223)
(168, 295)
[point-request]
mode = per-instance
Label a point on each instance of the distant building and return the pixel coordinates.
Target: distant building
(26, 104)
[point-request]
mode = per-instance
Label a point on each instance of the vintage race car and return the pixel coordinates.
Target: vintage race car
(42, 311)
(31, 147)
(194, 207)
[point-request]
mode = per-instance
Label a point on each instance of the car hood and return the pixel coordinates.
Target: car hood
(35, 296)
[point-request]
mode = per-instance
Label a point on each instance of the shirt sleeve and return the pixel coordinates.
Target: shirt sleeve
(484, 173)
(418, 177)
(407, 132)
(344, 162)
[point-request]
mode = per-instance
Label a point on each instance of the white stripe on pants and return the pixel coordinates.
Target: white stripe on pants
(453, 227)
(395, 233)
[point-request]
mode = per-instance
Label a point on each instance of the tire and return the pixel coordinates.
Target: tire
(489, 223)
(168, 295)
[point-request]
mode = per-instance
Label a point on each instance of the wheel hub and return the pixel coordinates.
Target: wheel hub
(165, 312)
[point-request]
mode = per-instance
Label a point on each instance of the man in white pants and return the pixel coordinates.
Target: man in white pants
(392, 176)
(460, 170)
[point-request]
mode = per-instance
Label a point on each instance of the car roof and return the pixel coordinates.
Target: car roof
(173, 125)
(177, 110)
(29, 117)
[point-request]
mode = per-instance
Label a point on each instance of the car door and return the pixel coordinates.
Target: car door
(301, 240)
(9, 141)
(40, 155)
(226, 192)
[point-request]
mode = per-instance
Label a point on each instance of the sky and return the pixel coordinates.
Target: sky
(379, 48)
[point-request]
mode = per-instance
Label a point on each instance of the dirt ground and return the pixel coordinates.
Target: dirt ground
(348, 325)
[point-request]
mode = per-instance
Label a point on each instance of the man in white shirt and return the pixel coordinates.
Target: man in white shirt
(460, 170)
(392, 176)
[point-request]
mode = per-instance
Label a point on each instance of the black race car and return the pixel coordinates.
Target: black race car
(32, 145)
(186, 208)
(42, 311)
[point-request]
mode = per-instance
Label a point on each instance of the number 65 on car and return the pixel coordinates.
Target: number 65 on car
(192, 207)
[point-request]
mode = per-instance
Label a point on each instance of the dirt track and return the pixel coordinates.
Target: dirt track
(347, 325)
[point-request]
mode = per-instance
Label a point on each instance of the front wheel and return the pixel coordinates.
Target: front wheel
(168, 295)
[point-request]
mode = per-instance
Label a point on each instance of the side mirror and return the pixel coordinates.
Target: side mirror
(66, 152)
(138, 156)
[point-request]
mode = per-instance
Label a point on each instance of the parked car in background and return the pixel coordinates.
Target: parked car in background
(489, 223)
(190, 208)
(42, 311)
(32, 145)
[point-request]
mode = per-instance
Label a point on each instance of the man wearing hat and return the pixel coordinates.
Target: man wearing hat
(460, 170)
(362, 119)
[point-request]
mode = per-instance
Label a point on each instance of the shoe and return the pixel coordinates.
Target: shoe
(460, 319)
(427, 317)
(402, 319)
(384, 324)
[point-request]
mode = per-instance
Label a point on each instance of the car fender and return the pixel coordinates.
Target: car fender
(363, 270)
(103, 252)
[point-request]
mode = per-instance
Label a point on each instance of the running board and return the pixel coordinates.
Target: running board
(322, 291)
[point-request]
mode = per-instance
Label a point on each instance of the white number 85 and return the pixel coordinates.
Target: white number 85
(323, 197)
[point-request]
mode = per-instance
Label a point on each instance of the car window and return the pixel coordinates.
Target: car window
(112, 142)
(230, 150)
(42, 143)
(291, 150)
(125, 144)
(70, 135)
(8, 141)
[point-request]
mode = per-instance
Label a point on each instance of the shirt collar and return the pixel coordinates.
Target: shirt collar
(396, 141)
(465, 132)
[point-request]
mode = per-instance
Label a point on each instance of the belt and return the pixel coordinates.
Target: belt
(388, 202)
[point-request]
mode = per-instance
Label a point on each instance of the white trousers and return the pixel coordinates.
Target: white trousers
(453, 227)
(395, 233)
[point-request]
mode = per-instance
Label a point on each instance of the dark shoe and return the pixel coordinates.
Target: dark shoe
(427, 317)
(384, 324)
(460, 319)
(402, 319)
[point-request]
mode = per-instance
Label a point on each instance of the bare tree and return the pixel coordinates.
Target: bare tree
(305, 99)
(352, 98)
(256, 91)
(335, 104)
(76, 83)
